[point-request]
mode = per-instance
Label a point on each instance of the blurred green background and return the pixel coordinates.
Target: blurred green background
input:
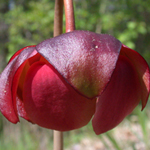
(28, 22)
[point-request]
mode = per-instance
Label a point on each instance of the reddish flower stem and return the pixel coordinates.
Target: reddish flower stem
(58, 140)
(58, 18)
(58, 26)
(69, 15)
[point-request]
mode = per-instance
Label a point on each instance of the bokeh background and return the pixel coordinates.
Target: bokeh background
(28, 22)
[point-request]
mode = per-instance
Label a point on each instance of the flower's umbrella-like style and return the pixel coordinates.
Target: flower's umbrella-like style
(64, 81)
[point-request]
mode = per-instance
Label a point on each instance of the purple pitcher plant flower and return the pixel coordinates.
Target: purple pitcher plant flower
(65, 81)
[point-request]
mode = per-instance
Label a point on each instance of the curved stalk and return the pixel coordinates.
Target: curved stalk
(69, 15)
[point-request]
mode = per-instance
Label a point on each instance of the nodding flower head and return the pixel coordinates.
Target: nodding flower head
(64, 81)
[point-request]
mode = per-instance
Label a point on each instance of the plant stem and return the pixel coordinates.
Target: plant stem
(58, 26)
(69, 15)
(58, 18)
(58, 140)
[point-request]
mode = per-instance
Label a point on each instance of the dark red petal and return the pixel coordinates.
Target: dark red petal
(142, 69)
(17, 91)
(19, 51)
(18, 82)
(52, 103)
(85, 59)
(119, 98)
(6, 79)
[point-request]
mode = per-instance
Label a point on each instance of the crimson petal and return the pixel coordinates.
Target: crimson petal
(7, 107)
(85, 59)
(142, 70)
(18, 52)
(52, 103)
(119, 98)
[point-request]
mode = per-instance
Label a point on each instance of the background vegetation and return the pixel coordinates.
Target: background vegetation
(28, 22)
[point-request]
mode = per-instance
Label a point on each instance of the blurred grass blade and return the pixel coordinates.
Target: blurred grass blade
(113, 141)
